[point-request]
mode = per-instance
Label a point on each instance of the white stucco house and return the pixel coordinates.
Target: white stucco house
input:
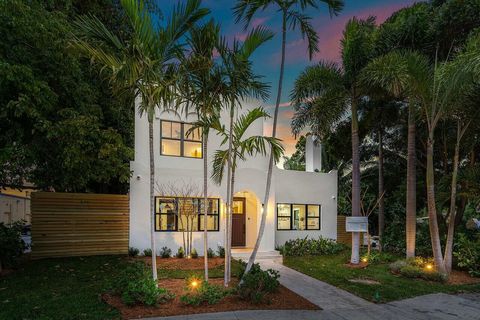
(301, 203)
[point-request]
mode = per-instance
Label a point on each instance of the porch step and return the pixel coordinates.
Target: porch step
(242, 254)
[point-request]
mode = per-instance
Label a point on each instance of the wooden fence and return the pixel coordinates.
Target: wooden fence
(77, 224)
(342, 235)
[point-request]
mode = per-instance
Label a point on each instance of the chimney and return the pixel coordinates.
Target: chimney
(313, 154)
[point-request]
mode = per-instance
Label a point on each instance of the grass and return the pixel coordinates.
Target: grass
(67, 288)
(332, 270)
(70, 288)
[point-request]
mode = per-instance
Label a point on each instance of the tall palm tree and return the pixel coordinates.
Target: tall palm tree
(240, 83)
(436, 88)
(240, 146)
(203, 89)
(143, 64)
(323, 93)
(396, 73)
(293, 17)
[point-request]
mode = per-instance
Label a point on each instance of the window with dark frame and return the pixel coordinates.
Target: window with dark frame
(298, 217)
(177, 139)
(168, 217)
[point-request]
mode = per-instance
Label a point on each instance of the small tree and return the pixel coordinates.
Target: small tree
(241, 147)
(187, 207)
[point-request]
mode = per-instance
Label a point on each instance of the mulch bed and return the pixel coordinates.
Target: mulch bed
(183, 264)
(283, 299)
(360, 265)
(461, 277)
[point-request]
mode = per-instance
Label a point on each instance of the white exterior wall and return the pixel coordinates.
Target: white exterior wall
(292, 186)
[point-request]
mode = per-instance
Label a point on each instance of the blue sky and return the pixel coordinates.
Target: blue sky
(267, 58)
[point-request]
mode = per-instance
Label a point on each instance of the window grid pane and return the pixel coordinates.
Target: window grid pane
(298, 217)
(190, 216)
(176, 142)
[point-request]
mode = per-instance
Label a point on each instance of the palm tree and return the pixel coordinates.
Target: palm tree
(240, 83)
(143, 63)
(293, 18)
(396, 73)
(323, 93)
(203, 89)
(239, 146)
(436, 89)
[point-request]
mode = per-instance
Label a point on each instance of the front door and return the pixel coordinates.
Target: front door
(238, 222)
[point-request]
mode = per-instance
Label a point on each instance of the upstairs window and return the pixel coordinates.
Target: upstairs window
(177, 140)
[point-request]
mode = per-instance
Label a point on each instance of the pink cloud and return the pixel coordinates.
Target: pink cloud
(330, 33)
(285, 104)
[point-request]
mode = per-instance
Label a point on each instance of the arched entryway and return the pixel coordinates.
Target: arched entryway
(245, 213)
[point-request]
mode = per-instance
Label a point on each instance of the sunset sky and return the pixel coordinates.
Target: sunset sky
(267, 58)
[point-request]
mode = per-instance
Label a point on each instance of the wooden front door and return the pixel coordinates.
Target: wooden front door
(238, 222)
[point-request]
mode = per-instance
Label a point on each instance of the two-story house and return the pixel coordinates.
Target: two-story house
(301, 203)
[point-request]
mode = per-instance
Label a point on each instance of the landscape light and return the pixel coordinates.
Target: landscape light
(364, 259)
(194, 283)
(429, 266)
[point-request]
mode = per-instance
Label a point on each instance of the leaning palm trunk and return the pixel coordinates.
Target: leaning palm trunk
(205, 204)
(152, 201)
(381, 203)
(432, 210)
(261, 230)
(228, 249)
(355, 257)
(411, 207)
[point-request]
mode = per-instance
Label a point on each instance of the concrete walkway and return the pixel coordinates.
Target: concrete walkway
(318, 292)
(338, 304)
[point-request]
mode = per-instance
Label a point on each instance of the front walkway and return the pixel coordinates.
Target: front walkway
(318, 292)
(338, 304)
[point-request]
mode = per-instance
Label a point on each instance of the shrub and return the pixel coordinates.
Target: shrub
(194, 254)
(135, 285)
(257, 283)
(416, 268)
(133, 252)
(305, 246)
(204, 293)
(11, 243)
(210, 253)
(467, 253)
(180, 253)
(397, 265)
(377, 257)
(147, 252)
(221, 252)
(165, 252)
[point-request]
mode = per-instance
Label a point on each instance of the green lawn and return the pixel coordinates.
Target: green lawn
(69, 288)
(331, 269)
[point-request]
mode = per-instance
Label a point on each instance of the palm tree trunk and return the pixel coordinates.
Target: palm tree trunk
(261, 230)
(453, 208)
(355, 257)
(381, 201)
(205, 203)
(411, 206)
(432, 210)
(152, 201)
(232, 192)
(228, 252)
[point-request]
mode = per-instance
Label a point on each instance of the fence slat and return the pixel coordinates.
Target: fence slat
(77, 224)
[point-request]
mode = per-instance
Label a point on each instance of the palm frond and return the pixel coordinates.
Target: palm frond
(297, 19)
(220, 159)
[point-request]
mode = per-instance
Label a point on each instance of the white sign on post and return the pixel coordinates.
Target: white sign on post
(356, 224)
